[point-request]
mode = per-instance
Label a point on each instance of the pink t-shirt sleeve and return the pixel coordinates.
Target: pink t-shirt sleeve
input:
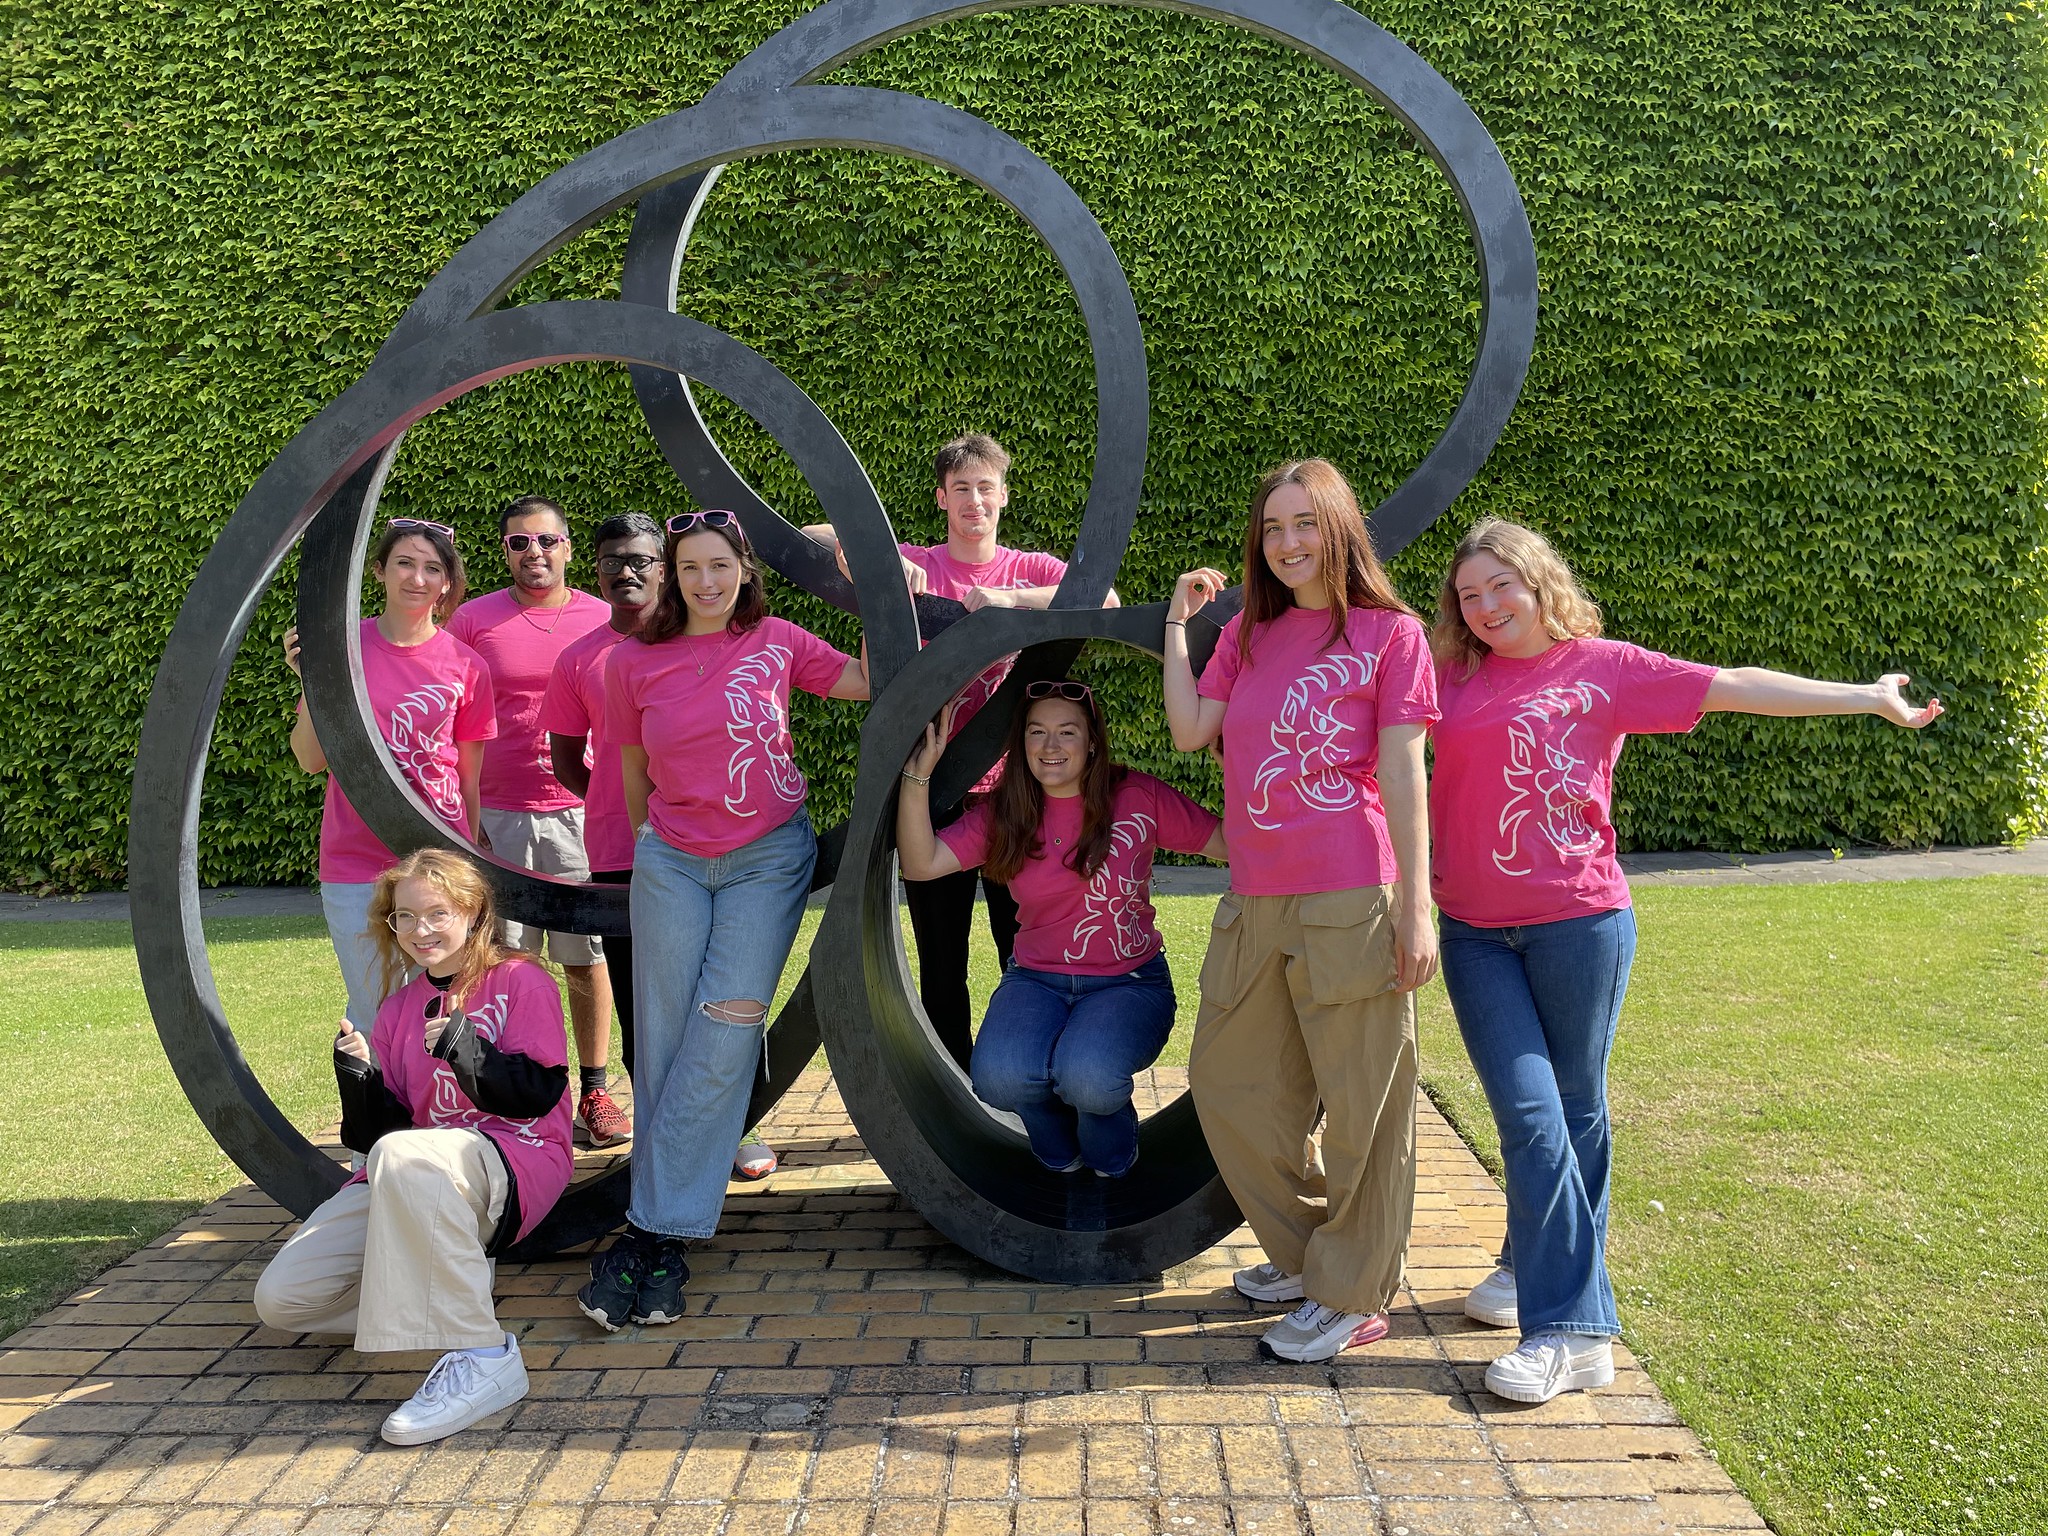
(1185, 826)
(1041, 569)
(1220, 676)
(1655, 694)
(561, 707)
(476, 716)
(968, 837)
(814, 664)
(621, 707)
(1407, 677)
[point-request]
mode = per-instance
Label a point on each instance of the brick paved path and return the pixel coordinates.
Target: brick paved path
(845, 1370)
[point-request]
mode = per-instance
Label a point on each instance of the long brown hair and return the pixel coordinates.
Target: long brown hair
(1351, 570)
(1016, 809)
(458, 879)
(672, 610)
(444, 550)
(1562, 606)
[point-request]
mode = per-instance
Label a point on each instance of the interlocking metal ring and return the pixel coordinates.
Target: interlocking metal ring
(963, 1165)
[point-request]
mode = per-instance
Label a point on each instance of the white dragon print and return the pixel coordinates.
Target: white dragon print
(422, 727)
(450, 1108)
(1112, 900)
(1547, 775)
(759, 731)
(1306, 742)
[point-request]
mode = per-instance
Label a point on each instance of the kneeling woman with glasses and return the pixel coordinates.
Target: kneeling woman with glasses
(1087, 1001)
(459, 1096)
(697, 701)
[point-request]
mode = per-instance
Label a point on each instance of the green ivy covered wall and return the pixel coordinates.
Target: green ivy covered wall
(1785, 406)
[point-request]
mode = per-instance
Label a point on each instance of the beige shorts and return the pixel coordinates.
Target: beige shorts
(550, 843)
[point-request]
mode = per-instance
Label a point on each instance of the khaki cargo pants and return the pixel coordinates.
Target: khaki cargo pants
(1299, 1009)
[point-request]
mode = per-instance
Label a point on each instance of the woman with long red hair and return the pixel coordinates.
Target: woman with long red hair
(1320, 692)
(1087, 1001)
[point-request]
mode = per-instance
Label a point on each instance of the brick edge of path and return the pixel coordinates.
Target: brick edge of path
(845, 1371)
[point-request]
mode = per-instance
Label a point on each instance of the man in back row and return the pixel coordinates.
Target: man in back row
(971, 567)
(529, 816)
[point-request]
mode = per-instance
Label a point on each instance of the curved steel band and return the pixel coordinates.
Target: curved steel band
(966, 1168)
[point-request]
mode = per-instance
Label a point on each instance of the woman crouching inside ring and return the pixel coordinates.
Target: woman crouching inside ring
(459, 1096)
(697, 700)
(1087, 1001)
(1321, 691)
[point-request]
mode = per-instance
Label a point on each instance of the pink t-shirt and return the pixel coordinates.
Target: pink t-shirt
(712, 712)
(1010, 570)
(1301, 745)
(520, 645)
(425, 698)
(1102, 926)
(1524, 776)
(574, 706)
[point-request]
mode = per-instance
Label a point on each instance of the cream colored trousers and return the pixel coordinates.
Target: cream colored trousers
(1299, 1009)
(398, 1261)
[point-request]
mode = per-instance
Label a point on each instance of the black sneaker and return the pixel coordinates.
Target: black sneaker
(661, 1287)
(615, 1280)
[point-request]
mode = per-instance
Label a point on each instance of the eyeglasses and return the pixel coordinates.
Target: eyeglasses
(717, 517)
(412, 922)
(517, 542)
(611, 565)
(420, 522)
(1080, 693)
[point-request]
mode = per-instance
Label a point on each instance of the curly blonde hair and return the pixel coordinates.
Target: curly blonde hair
(458, 879)
(1562, 606)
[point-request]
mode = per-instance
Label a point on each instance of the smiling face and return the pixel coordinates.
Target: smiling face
(1500, 609)
(709, 575)
(1292, 542)
(538, 571)
(973, 497)
(430, 927)
(1056, 747)
(630, 574)
(414, 577)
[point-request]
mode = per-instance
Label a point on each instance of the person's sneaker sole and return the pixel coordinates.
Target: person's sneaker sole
(597, 1317)
(1493, 1317)
(1582, 1378)
(1371, 1331)
(1291, 1291)
(657, 1318)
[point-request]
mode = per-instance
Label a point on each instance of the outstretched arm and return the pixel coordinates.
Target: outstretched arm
(1760, 691)
(918, 849)
(1194, 721)
(824, 533)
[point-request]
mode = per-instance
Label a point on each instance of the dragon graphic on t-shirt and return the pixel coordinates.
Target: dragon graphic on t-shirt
(450, 1108)
(1548, 775)
(760, 730)
(1112, 900)
(422, 729)
(1308, 752)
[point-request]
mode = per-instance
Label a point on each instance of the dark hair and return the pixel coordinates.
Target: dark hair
(521, 506)
(970, 448)
(458, 579)
(672, 610)
(628, 525)
(1016, 807)
(1351, 571)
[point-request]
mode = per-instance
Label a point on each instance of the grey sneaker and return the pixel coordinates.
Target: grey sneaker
(1313, 1332)
(1267, 1282)
(1492, 1300)
(1549, 1363)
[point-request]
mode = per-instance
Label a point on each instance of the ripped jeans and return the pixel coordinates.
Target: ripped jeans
(707, 933)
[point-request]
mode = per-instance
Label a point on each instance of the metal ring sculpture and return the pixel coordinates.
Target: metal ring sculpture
(965, 1167)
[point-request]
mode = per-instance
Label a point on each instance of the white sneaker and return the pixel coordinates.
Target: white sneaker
(1492, 1300)
(465, 1385)
(1267, 1282)
(1314, 1332)
(1549, 1363)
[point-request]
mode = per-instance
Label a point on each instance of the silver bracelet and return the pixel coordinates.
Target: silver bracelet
(926, 780)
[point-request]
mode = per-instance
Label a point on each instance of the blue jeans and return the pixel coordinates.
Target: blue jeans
(1059, 1052)
(705, 931)
(347, 910)
(1538, 1006)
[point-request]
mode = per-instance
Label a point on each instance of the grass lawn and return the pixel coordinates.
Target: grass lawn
(1831, 1104)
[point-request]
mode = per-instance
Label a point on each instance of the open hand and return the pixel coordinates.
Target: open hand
(932, 746)
(1893, 705)
(349, 1043)
(1192, 593)
(291, 649)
